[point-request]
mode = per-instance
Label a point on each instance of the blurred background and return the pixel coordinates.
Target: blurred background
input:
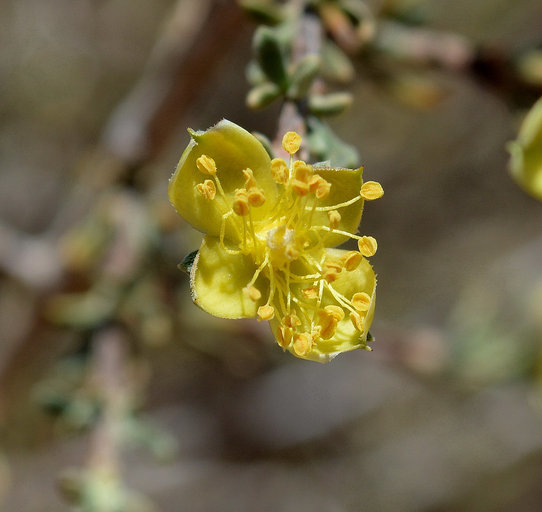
(118, 394)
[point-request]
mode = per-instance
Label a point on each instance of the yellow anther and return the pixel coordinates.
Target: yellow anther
(291, 252)
(252, 293)
(291, 320)
(322, 190)
(357, 321)
(310, 293)
(361, 301)
(335, 311)
(334, 218)
(240, 202)
(250, 180)
(316, 333)
(330, 274)
(266, 312)
(352, 260)
(328, 324)
(206, 165)
(291, 142)
(207, 189)
(333, 263)
(371, 190)
(299, 187)
(367, 246)
(284, 336)
(279, 171)
(302, 343)
(256, 196)
(302, 171)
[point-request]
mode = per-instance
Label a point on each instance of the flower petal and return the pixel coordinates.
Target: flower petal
(345, 185)
(233, 149)
(217, 280)
(346, 337)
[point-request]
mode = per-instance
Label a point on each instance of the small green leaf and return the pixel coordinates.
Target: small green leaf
(262, 95)
(329, 104)
(336, 65)
(305, 71)
(268, 51)
(325, 145)
(188, 261)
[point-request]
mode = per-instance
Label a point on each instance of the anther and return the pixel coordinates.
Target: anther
(367, 246)
(328, 324)
(335, 311)
(361, 301)
(266, 312)
(299, 187)
(206, 165)
(279, 171)
(322, 190)
(240, 202)
(334, 218)
(310, 293)
(256, 196)
(284, 337)
(207, 189)
(291, 320)
(252, 293)
(250, 181)
(352, 260)
(371, 190)
(357, 321)
(302, 343)
(302, 171)
(291, 142)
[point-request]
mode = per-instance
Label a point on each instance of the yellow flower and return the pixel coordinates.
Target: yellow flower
(271, 227)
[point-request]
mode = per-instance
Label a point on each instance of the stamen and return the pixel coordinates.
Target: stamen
(338, 205)
(335, 311)
(266, 312)
(207, 189)
(291, 142)
(279, 171)
(328, 324)
(361, 301)
(291, 320)
(256, 196)
(206, 165)
(352, 260)
(284, 337)
(302, 343)
(334, 218)
(357, 321)
(310, 293)
(252, 293)
(250, 181)
(240, 202)
(371, 190)
(367, 246)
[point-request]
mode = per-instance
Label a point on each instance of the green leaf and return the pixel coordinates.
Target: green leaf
(329, 104)
(268, 51)
(336, 65)
(263, 95)
(305, 71)
(325, 145)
